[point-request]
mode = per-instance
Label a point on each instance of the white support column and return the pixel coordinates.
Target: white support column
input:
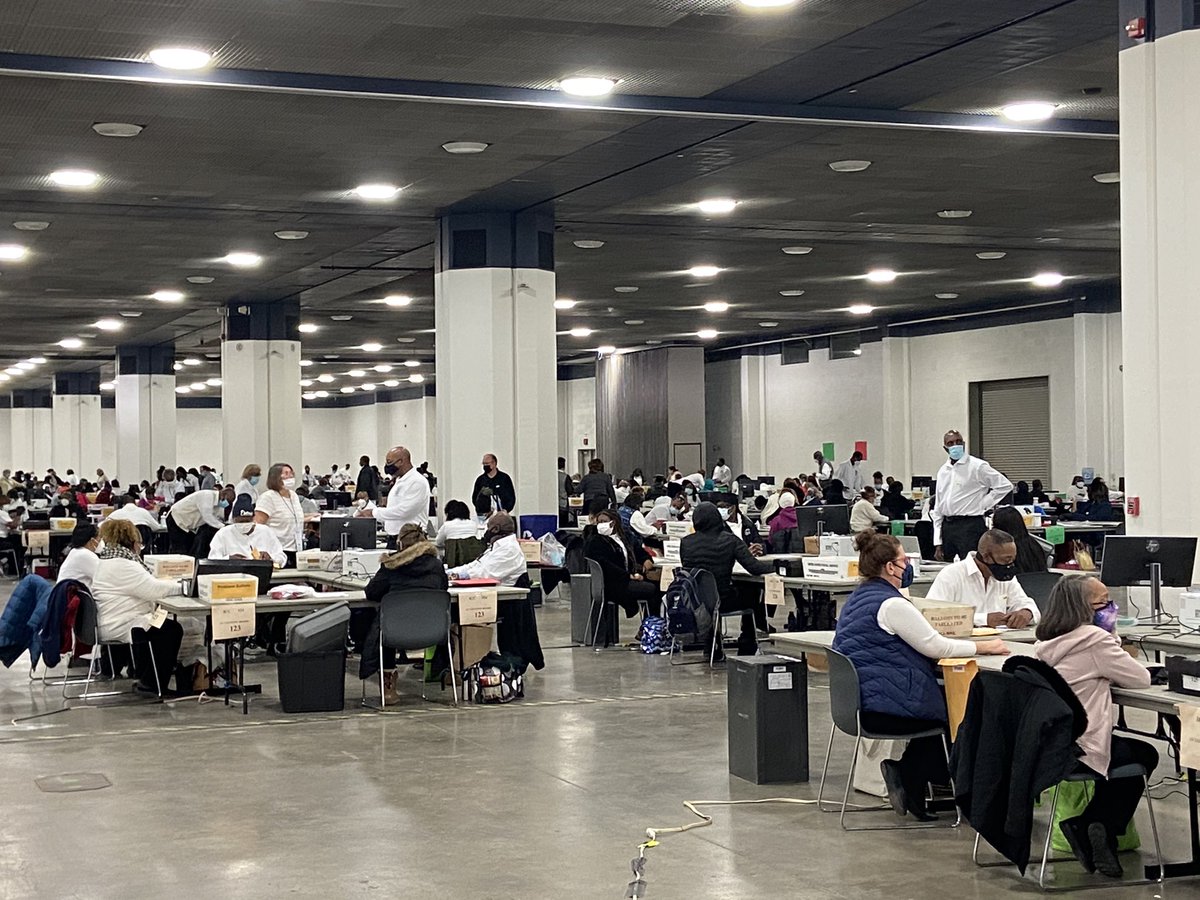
(75, 423)
(145, 425)
(897, 455)
(752, 376)
(1095, 371)
(260, 405)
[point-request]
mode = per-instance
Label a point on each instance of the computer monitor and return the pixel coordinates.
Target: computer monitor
(360, 532)
(1038, 585)
(259, 568)
(922, 481)
(1127, 560)
(765, 479)
(812, 520)
(337, 499)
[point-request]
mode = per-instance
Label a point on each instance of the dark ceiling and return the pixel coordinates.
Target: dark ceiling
(218, 169)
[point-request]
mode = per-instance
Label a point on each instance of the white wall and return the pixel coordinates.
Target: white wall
(576, 418)
(198, 440)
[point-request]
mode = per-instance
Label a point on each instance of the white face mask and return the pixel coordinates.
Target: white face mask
(725, 511)
(289, 483)
(604, 529)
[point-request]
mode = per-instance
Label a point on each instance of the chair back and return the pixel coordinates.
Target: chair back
(844, 697)
(414, 619)
(460, 551)
(1038, 586)
(710, 595)
(593, 569)
(87, 618)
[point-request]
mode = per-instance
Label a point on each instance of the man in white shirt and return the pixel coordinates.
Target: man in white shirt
(824, 473)
(986, 579)
(244, 539)
(850, 474)
(967, 488)
(722, 474)
(336, 479)
(131, 512)
(194, 520)
(408, 500)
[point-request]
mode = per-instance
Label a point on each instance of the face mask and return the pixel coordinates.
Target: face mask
(906, 579)
(223, 503)
(725, 511)
(1002, 571)
(253, 479)
(390, 469)
(289, 483)
(486, 470)
(604, 529)
(1106, 617)
(956, 452)
(360, 503)
(65, 502)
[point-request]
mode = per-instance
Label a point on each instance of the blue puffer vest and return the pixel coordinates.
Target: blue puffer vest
(626, 514)
(893, 677)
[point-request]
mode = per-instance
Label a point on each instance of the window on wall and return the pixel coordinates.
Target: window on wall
(1010, 426)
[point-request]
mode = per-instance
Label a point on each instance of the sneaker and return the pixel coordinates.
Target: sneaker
(1076, 834)
(1103, 852)
(897, 796)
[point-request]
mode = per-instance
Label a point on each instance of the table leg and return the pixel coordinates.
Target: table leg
(1191, 867)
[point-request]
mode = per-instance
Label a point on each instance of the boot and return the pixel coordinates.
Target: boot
(390, 694)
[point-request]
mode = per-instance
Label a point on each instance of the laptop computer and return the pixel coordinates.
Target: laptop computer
(259, 568)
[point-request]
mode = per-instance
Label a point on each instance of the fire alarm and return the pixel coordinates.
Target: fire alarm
(1136, 28)
(1133, 506)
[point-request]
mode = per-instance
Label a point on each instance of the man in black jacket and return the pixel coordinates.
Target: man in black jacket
(498, 484)
(368, 480)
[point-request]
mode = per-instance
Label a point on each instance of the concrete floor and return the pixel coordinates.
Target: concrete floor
(542, 798)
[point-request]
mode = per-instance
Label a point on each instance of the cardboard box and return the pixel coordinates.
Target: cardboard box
(228, 587)
(955, 620)
(471, 644)
(831, 568)
(37, 540)
(532, 551)
(837, 545)
(812, 544)
(362, 563)
(319, 560)
(63, 525)
(170, 566)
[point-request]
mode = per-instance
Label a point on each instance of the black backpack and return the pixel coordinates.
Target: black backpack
(688, 619)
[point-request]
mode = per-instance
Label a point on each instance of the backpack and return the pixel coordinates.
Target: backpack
(688, 619)
(654, 635)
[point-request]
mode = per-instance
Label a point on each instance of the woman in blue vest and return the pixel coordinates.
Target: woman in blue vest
(894, 650)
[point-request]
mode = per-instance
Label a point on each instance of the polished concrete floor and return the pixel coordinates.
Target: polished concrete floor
(543, 798)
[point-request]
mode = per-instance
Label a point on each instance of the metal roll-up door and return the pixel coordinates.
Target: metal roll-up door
(1012, 421)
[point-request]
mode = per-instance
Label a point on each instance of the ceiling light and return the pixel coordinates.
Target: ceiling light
(850, 165)
(167, 296)
(74, 178)
(31, 225)
(416, 378)
(1101, 178)
(1028, 111)
(946, 296)
(117, 129)
(704, 271)
(860, 309)
(606, 350)
(108, 385)
(464, 148)
(306, 382)
(652, 342)
(326, 378)
(366, 387)
(109, 324)
(70, 343)
(321, 395)
(24, 366)
(397, 300)
(767, 4)
(4, 377)
(626, 289)
(1047, 279)
(706, 334)
(791, 293)
(768, 324)
(881, 276)
(797, 251)
(717, 205)
(857, 351)
(585, 86)
(412, 363)
(716, 306)
(13, 252)
(179, 58)
(183, 389)
(131, 314)
(305, 363)
(589, 245)
(406, 340)
(341, 318)
(955, 213)
(37, 360)
(371, 347)
(308, 395)
(291, 235)
(198, 385)
(13, 370)
(991, 254)
(213, 382)
(243, 260)
(376, 191)
(357, 373)
(563, 303)
(177, 366)
(580, 332)
(347, 390)
(391, 382)
(200, 279)
(192, 361)
(308, 327)
(384, 367)
(635, 321)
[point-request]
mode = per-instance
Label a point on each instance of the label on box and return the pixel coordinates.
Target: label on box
(228, 587)
(1191, 682)
(1189, 736)
(954, 620)
(773, 590)
(668, 575)
(678, 529)
(232, 620)
(37, 540)
(779, 681)
(477, 607)
(532, 550)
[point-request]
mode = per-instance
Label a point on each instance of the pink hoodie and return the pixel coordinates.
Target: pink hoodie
(1091, 661)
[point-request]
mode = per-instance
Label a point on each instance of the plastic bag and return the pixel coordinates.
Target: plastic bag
(1073, 796)
(553, 553)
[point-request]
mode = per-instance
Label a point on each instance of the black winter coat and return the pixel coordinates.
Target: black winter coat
(715, 548)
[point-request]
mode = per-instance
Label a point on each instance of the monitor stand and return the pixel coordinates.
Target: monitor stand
(1155, 585)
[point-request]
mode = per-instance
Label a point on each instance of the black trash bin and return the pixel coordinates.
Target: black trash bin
(768, 718)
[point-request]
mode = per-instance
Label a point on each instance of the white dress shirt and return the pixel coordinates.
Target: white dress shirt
(196, 509)
(969, 487)
(722, 475)
(456, 530)
(242, 539)
(285, 517)
(407, 503)
(131, 512)
(851, 476)
(5, 523)
(962, 582)
(641, 526)
(864, 517)
(169, 490)
(80, 565)
(503, 560)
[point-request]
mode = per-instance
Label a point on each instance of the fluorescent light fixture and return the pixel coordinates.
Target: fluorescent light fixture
(306, 382)
(383, 367)
(706, 334)
(38, 360)
(1100, 178)
(74, 178)
(71, 343)
(1028, 111)
(991, 254)
(406, 340)
(464, 148)
(291, 235)
(377, 191)
(341, 318)
(797, 251)
(192, 361)
(791, 293)
(768, 324)
(704, 271)
(357, 373)
(109, 324)
(347, 390)
(13, 252)
(325, 378)
(1047, 279)
(589, 245)
(412, 363)
(167, 296)
(955, 213)
(200, 279)
(860, 309)
(850, 165)
(243, 260)
(606, 350)
(371, 347)
(563, 303)
(881, 276)
(31, 225)
(946, 296)
(179, 58)
(397, 300)
(717, 205)
(635, 321)
(626, 289)
(108, 385)
(13, 370)
(587, 86)
(183, 389)
(305, 363)
(391, 383)
(716, 306)
(117, 129)
(580, 332)
(308, 327)
(416, 378)
(197, 385)
(214, 382)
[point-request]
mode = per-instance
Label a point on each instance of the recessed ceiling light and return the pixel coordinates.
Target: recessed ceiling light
(406, 340)
(192, 361)
(200, 279)
(366, 387)
(13, 371)
(881, 276)
(606, 350)
(347, 390)
(74, 178)
(716, 306)
(325, 378)
(587, 86)
(321, 395)
(371, 347)
(308, 395)
(131, 314)
(464, 148)
(305, 363)
(791, 293)
(306, 382)
(1028, 111)
(1107, 178)
(717, 205)
(391, 382)
(37, 360)
(183, 389)
(635, 321)
(179, 58)
(850, 165)
(589, 245)
(342, 318)
(626, 289)
(177, 366)
(564, 303)
(243, 260)
(412, 363)
(308, 327)
(580, 332)
(109, 324)
(214, 382)
(378, 191)
(706, 334)
(31, 225)
(357, 373)
(946, 296)
(382, 367)
(25, 366)
(955, 213)
(198, 385)
(704, 271)
(991, 254)
(70, 343)
(653, 342)
(416, 378)
(108, 385)
(117, 129)
(13, 252)
(797, 251)
(768, 324)
(767, 4)
(1047, 279)
(397, 300)
(167, 296)
(860, 309)
(291, 235)
(857, 351)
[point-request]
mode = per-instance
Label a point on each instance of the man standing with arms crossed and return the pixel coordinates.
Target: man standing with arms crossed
(408, 500)
(967, 488)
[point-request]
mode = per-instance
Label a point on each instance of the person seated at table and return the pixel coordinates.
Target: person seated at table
(1097, 508)
(715, 548)
(624, 566)
(1022, 496)
(413, 565)
(244, 538)
(895, 651)
(1076, 637)
(987, 580)
(736, 522)
(894, 504)
(458, 524)
(863, 515)
(782, 524)
(81, 562)
(630, 508)
(1039, 493)
(1031, 556)
(502, 558)
(813, 495)
(835, 494)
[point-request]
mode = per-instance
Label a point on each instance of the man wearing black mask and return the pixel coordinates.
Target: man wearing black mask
(498, 485)
(987, 580)
(408, 500)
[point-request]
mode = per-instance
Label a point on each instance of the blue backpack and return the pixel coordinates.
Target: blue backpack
(688, 619)
(654, 636)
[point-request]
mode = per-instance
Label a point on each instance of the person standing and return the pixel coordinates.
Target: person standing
(279, 508)
(368, 480)
(194, 519)
(967, 488)
(499, 485)
(566, 487)
(408, 500)
(824, 473)
(597, 485)
(251, 476)
(208, 479)
(722, 474)
(850, 474)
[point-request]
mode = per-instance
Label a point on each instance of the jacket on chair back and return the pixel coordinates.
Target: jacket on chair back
(715, 548)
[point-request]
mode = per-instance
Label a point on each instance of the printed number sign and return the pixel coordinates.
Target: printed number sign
(232, 620)
(477, 607)
(773, 590)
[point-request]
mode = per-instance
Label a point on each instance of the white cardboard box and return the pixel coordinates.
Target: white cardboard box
(170, 566)
(955, 620)
(308, 560)
(228, 587)
(837, 545)
(362, 563)
(831, 568)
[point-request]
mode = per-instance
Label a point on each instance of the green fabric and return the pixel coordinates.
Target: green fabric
(1056, 534)
(460, 551)
(898, 527)
(1073, 796)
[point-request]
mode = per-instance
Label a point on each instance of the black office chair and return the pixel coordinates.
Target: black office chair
(413, 620)
(710, 596)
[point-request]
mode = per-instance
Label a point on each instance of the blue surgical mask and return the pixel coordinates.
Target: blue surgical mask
(253, 479)
(957, 452)
(1106, 617)
(906, 579)
(222, 503)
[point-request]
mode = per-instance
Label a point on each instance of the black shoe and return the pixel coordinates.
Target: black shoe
(897, 796)
(1103, 853)
(1075, 831)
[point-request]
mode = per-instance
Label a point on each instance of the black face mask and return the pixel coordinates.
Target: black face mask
(1002, 571)
(486, 470)
(390, 469)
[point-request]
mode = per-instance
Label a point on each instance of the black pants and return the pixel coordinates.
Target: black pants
(960, 535)
(646, 591)
(180, 541)
(165, 641)
(924, 759)
(1116, 800)
(202, 541)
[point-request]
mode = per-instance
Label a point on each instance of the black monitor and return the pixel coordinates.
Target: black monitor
(1127, 558)
(1038, 585)
(337, 499)
(812, 520)
(259, 568)
(764, 479)
(922, 481)
(359, 531)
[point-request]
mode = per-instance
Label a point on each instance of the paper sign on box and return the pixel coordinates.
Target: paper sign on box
(477, 607)
(170, 566)
(232, 620)
(228, 587)
(955, 620)
(773, 590)
(532, 550)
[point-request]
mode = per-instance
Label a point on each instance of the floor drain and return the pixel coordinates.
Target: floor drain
(69, 784)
